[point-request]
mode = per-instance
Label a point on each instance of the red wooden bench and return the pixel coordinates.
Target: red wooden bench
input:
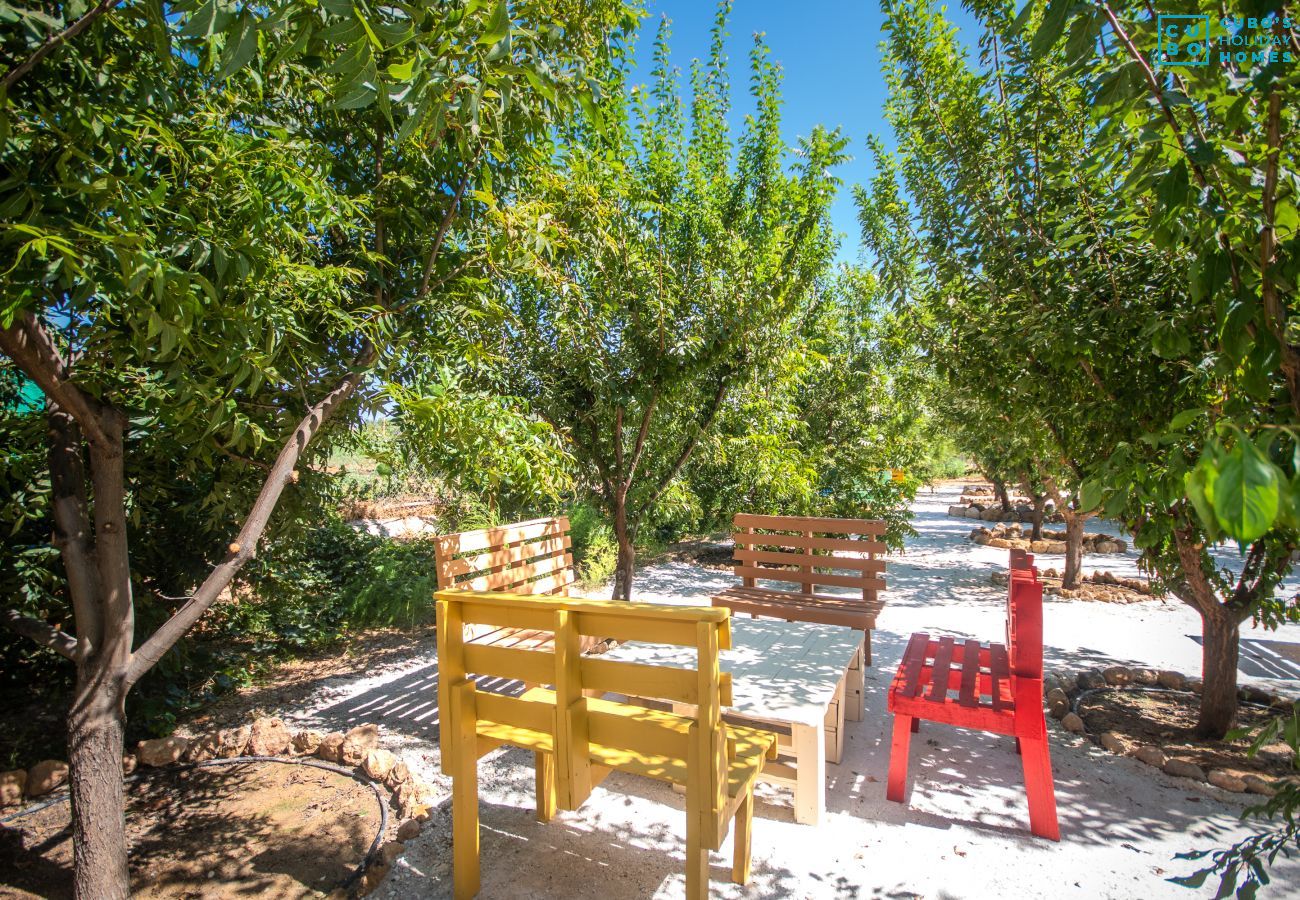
(991, 687)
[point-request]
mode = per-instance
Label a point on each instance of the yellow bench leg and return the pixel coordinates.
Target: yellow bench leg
(545, 766)
(697, 860)
(464, 795)
(743, 824)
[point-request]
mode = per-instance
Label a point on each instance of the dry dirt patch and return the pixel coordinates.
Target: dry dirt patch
(249, 830)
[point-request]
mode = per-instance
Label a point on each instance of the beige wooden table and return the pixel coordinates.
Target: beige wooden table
(789, 675)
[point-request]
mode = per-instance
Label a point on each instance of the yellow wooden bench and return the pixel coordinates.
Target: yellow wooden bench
(579, 739)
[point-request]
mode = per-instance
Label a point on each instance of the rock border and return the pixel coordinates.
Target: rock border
(1012, 537)
(1062, 693)
(410, 798)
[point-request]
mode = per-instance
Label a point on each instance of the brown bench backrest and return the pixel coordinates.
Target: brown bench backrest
(522, 558)
(810, 552)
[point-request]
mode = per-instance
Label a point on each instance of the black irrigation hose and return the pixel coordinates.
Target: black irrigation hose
(314, 763)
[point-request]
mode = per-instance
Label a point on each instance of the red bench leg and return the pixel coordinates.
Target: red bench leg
(1037, 761)
(897, 786)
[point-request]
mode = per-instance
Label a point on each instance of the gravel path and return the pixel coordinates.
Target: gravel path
(964, 830)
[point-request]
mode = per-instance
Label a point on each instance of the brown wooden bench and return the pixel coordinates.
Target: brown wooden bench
(532, 557)
(811, 553)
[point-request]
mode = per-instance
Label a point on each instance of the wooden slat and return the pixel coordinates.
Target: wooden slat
(645, 732)
(535, 666)
(538, 619)
(801, 523)
(939, 676)
(801, 542)
(639, 679)
(913, 659)
(508, 556)
(861, 564)
(530, 714)
(519, 580)
(825, 609)
(491, 538)
(970, 672)
(1000, 674)
(849, 581)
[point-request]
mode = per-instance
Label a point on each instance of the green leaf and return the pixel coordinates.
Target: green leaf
(1090, 494)
(239, 48)
(402, 71)
(1049, 31)
(498, 25)
(1199, 486)
(1245, 494)
(1184, 418)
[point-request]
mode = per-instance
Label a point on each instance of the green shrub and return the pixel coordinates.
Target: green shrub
(595, 552)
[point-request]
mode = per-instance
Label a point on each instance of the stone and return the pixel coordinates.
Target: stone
(1172, 680)
(992, 514)
(162, 751)
(233, 742)
(330, 747)
(1091, 680)
(307, 741)
(1145, 677)
(390, 851)
(1229, 781)
(398, 775)
(1184, 768)
(1151, 755)
(1252, 694)
(1058, 709)
(410, 829)
(1000, 543)
(356, 742)
(1072, 723)
(1195, 685)
(11, 787)
(204, 748)
(1117, 675)
(957, 511)
(411, 794)
(1109, 740)
(377, 763)
(128, 764)
(269, 737)
(973, 512)
(45, 776)
(1259, 784)
(1053, 547)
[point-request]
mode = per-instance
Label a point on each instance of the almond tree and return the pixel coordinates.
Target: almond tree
(666, 265)
(209, 233)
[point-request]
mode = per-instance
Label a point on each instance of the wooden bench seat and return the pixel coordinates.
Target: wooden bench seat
(990, 687)
(811, 553)
(578, 734)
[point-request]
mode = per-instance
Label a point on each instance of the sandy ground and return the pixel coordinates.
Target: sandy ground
(963, 832)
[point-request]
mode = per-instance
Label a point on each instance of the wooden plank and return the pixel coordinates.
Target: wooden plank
(1000, 673)
(625, 727)
(508, 556)
(639, 679)
(939, 674)
(519, 616)
(856, 614)
(680, 634)
(810, 773)
(800, 542)
(781, 557)
(873, 527)
(528, 714)
(517, 580)
(851, 581)
(913, 659)
(534, 666)
(500, 536)
(970, 672)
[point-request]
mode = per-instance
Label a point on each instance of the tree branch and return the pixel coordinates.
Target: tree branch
(705, 424)
(242, 549)
(17, 72)
(41, 632)
(72, 524)
(29, 344)
(444, 227)
(639, 449)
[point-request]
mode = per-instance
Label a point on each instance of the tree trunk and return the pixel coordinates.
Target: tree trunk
(626, 552)
(1040, 512)
(1072, 576)
(1220, 633)
(95, 745)
(1004, 498)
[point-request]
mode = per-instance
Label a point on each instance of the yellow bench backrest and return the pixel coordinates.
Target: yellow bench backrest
(691, 751)
(531, 557)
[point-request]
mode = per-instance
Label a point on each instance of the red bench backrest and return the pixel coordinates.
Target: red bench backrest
(1024, 616)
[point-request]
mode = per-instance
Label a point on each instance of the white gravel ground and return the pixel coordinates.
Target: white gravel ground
(963, 833)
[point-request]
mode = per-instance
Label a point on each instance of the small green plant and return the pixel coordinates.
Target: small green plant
(595, 552)
(1243, 867)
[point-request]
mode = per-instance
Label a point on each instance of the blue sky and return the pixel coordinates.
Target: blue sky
(830, 54)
